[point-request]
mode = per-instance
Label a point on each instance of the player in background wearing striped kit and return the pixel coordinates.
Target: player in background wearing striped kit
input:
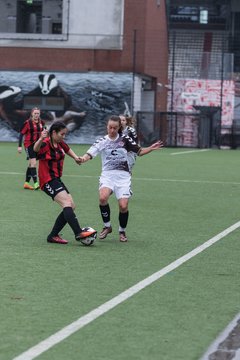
(31, 131)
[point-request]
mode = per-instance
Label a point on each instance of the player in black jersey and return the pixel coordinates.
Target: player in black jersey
(127, 124)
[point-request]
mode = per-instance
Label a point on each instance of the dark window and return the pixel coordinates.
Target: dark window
(36, 18)
(29, 17)
(56, 28)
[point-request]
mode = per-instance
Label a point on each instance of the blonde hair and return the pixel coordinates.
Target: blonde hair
(35, 108)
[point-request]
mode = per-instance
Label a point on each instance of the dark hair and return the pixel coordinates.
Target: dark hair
(57, 126)
(116, 118)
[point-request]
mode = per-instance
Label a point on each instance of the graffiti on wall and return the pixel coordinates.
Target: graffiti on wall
(81, 100)
(189, 93)
(193, 92)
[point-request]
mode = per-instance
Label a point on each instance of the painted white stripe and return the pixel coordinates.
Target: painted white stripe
(17, 173)
(190, 181)
(10, 173)
(13, 220)
(143, 179)
(189, 152)
(59, 336)
(215, 345)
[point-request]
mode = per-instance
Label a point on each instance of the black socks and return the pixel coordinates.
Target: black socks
(28, 174)
(105, 212)
(123, 219)
(31, 173)
(72, 220)
(59, 225)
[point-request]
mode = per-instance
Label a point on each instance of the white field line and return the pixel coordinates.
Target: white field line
(84, 320)
(189, 181)
(189, 152)
(142, 179)
(10, 173)
(215, 346)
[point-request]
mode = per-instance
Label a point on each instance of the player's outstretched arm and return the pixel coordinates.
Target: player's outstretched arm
(72, 154)
(38, 143)
(20, 143)
(156, 146)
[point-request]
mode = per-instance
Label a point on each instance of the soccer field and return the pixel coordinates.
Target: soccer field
(182, 199)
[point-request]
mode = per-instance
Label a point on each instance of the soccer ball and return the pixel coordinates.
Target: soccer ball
(89, 240)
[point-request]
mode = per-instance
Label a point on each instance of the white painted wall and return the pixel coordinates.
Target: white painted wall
(147, 101)
(96, 23)
(137, 97)
(143, 99)
(87, 24)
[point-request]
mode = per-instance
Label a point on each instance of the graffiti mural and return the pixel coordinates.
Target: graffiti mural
(81, 100)
(191, 93)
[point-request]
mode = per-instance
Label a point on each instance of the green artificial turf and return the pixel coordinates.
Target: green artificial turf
(179, 202)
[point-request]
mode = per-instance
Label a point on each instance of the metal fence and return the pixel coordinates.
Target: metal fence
(198, 130)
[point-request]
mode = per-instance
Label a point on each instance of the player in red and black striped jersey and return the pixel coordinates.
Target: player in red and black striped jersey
(51, 150)
(51, 161)
(31, 131)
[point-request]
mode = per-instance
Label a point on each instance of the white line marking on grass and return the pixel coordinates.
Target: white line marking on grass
(189, 152)
(143, 179)
(221, 348)
(190, 181)
(84, 320)
(16, 173)
(10, 173)
(168, 180)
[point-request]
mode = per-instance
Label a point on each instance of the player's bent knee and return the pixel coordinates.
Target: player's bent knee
(103, 200)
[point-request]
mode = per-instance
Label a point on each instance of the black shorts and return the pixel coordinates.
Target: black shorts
(53, 187)
(31, 154)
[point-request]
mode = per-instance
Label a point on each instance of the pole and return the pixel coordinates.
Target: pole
(172, 87)
(133, 70)
(221, 91)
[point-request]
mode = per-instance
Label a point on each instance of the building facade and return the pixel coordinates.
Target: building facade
(119, 36)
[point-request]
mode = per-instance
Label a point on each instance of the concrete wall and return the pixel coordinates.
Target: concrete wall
(96, 24)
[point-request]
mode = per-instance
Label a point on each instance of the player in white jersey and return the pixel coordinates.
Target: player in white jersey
(115, 177)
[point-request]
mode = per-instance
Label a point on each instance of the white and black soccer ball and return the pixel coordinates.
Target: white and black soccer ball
(89, 240)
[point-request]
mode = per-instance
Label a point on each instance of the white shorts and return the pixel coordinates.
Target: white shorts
(131, 159)
(118, 181)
